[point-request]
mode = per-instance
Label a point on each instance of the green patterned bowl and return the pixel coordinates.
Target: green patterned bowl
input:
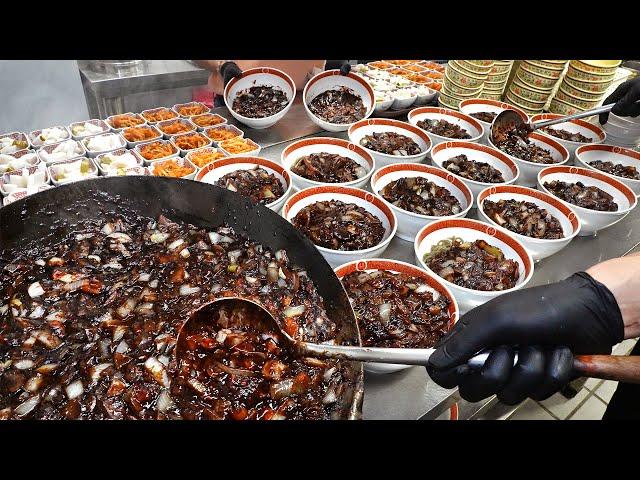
(498, 77)
(583, 76)
(472, 67)
(535, 80)
(592, 87)
(529, 94)
(558, 106)
(491, 96)
(527, 110)
(546, 65)
(541, 70)
(463, 78)
(456, 89)
(602, 67)
(578, 93)
(445, 100)
(575, 101)
(482, 63)
(525, 102)
(555, 62)
(494, 87)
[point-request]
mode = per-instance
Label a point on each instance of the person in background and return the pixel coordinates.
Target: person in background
(587, 313)
(300, 71)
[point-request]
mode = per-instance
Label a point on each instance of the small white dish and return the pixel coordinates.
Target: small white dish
(69, 171)
(104, 143)
(88, 128)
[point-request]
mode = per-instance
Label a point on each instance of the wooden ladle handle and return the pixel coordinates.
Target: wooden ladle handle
(610, 367)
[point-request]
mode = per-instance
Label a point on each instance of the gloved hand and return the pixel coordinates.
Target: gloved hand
(229, 70)
(343, 65)
(548, 324)
(626, 98)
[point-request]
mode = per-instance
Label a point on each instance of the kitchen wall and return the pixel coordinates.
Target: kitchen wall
(40, 93)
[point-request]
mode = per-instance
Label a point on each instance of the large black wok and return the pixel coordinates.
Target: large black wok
(49, 215)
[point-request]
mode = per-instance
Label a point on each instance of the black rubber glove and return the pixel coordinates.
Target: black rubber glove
(343, 65)
(229, 70)
(626, 98)
(547, 324)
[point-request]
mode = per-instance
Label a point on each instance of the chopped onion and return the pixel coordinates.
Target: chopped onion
(119, 332)
(281, 389)
(153, 283)
(126, 308)
(95, 258)
(74, 390)
(4, 308)
(221, 335)
(144, 277)
(157, 371)
(327, 374)
(107, 229)
(250, 279)
(159, 237)
(48, 368)
(35, 290)
(294, 311)
(24, 364)
(114, 265)
(27, 406)
(188, 290)
(95, 372)
(122, 347)
(234, 255)
(38, 312)
(184, 253)
(164, 401)
(385, 312)
(33, 384)
(121, 237)
(214, 237)
(57, 316)
(330, 396)
(175, 244)
(40, 262)
(48, 339)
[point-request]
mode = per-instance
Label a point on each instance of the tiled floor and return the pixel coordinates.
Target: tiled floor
(589, 404)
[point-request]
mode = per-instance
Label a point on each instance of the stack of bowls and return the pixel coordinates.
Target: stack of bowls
(583, 86)
(463, 79)
(533, 83)
(497, 80)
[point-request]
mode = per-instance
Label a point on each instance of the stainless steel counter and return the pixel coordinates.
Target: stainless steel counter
(411, 394)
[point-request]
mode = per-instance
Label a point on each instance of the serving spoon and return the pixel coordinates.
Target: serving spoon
(509, 119)
(609, 367)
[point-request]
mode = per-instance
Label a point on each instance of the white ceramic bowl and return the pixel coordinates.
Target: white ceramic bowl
(395, 266)
(529, 170)
(477, 105)
(480, 153)
(471, 230)
(613, 154)
(592, 220)
(213, 171)
(539, 248)
(138, 149)
(130, 144)
(410, 223)
(361, 198)
(183, 162)
(384, 105)
(368, 126)
(470, 124)
(307, 146)
(589, 130)
(330, 80)
(262, 76)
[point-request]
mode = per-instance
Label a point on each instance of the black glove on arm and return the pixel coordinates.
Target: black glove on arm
(343, 65)
(229, 70)
(626, 98)
(547, 323)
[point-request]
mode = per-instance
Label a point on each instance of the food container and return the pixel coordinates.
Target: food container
(589, 130)
(158, 135)
(184, 121)
(45, 153)
(36, 140)
(182, 162)
(18, 160)
(396, 266)
(189, 156)
(177, 108)
(20, 194)
(539, 248)
(528, 93)
(109, 121)
(59, 174)
(212, 172)
(529, 170)
(455, 89)
(176, 138)
(361, 198)
(614, 154)
(147, 114)
(332, 79)
(262, 76)
(577, 92)
(358, 130)
(576, 73)
(409, 223)
(523, 105)
(564, 109)
(197, 119)
(106, 168)
(140, 149)
(602, 67)
(464, 78)
(10, 147)
(118, 142)
(581, 103)
(535, 80)
(541, 69)
(592, 220)
(480, 153)
(470, 124)
(471, 230)
(129, 171)
(306, 146)
(474, 67)
(210, 132)
(531, 105)
(100, 125)
(255, 148)
(592, 87)
(30, 179)
(477, 105)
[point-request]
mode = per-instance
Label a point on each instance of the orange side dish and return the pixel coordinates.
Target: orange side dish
(155, 150)
(237, 145)
(202, 158)
(191, 109)
(159, 114)
(220, 134)
(399, 71)
(207, 120)
(171, 168)
(124, 121)
(399, 62)
(434, 75)
(189, 142)
(418, 78)
(414, 68)
(139, 134)
(434, 66)
(381, 65)
(175, 127)
(434, 85)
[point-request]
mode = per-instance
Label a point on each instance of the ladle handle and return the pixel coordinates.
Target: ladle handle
(575, 116)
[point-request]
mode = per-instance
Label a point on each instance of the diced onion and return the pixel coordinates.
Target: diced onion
(95, 372)
(175, 244)
(159, 237)
(164, 401)
(294, 311)
(144, 277)
(23, 364)
(74, 389)
(330, 397)
(122, 347)
(184, 253)
(38, 312)
(27, 406)
(385, 312)
(35, 290)
(157, 371)
(188, 290)
(33, 384)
